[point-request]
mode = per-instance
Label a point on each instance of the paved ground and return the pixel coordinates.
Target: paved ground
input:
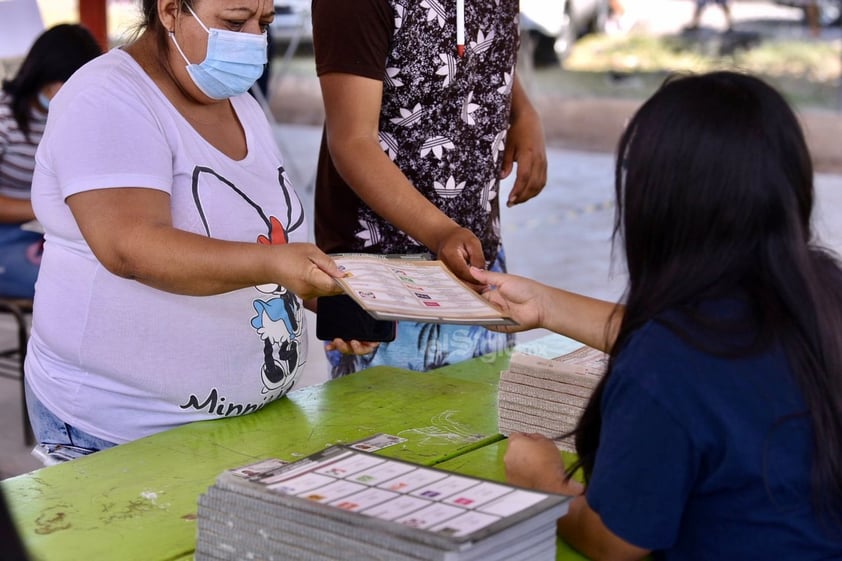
(561, 238)
(576, 119)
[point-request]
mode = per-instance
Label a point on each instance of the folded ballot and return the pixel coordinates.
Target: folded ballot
(412, 287)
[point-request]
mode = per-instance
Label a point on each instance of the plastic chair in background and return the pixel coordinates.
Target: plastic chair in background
(19, 309)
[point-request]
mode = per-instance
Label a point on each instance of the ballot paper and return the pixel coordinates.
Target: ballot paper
(412, 287)
(343, 503)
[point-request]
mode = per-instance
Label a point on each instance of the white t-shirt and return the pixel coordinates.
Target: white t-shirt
(114, 357)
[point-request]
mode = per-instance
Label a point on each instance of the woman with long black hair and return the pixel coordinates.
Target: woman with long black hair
(716, 432)
(24, 100)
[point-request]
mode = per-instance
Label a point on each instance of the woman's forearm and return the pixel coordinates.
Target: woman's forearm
(588, 320)
(15, 211)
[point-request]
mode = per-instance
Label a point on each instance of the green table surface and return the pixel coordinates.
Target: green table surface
(138, 501)
(140, 498)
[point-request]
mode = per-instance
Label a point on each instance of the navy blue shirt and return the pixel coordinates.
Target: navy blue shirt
(696, 460)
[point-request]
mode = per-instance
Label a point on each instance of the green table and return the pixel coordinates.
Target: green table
(138, 501)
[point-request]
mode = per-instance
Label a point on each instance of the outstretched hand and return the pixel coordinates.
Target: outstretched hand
(460, 250)
(517, 297)
(352, 347)
(534, 461)
(307, 271)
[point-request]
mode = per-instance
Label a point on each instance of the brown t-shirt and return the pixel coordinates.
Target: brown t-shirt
(443, 118)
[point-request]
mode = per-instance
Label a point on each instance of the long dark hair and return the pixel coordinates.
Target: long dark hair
(56, 54)
(714, 188)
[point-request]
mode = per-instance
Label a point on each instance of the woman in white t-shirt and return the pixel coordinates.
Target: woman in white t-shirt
(175, 257)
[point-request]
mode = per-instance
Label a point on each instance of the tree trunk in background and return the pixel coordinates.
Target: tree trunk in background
(92, 14)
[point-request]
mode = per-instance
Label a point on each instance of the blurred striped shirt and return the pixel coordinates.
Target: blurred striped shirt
(17, 152)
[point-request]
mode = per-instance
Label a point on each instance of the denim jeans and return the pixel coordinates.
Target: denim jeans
(20, 257)
(58, 441)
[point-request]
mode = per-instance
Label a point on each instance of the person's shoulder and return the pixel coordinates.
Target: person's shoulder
(677, 345)
(723, 321)
(654, 334)
(345, 15)
(112, 66)
(655, 362)
(113, 72)
(114, 75)
(654, 352)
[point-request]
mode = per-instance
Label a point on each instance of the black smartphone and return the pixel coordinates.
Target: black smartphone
(339, 317)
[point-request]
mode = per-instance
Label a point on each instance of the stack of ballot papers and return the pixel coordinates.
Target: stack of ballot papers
(346, 504)
(547, 396)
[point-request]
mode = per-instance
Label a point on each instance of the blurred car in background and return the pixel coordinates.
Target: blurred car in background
(830, 11)
(292, 21)
(555, 25)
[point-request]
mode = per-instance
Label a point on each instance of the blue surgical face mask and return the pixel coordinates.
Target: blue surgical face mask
(233, 63)
(43, 100)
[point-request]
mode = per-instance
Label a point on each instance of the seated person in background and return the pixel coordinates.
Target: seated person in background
(717, 429)
(700, 7)
(175, 258)
(56, 54)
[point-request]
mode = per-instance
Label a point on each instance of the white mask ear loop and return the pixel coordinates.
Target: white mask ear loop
(178, 48)
(197, 18)
(172, 34)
